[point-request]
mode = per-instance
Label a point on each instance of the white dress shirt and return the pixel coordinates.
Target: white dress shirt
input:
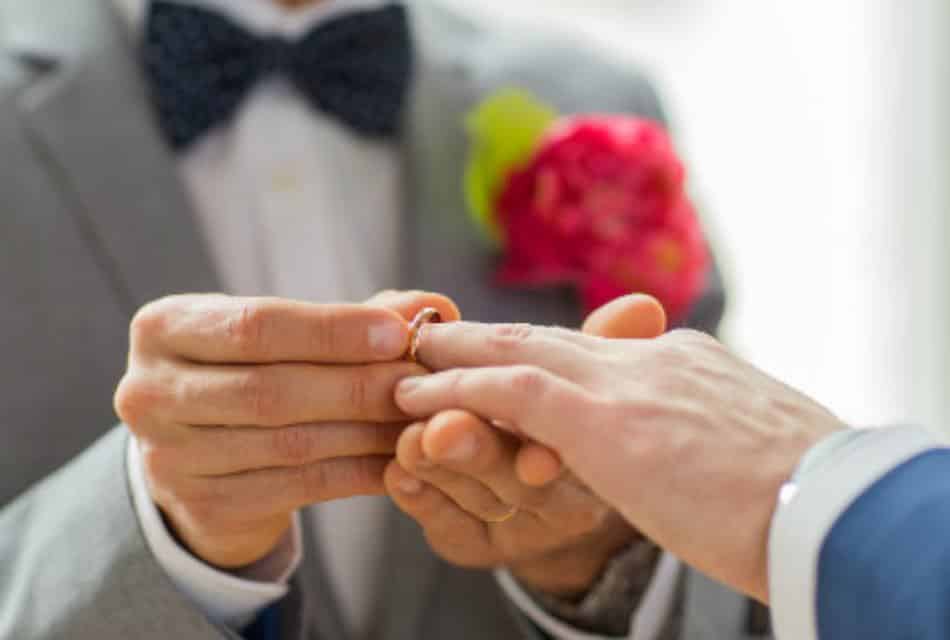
(293, 204)
(840, 469)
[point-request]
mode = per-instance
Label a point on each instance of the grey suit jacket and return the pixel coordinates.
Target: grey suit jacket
(94, 223)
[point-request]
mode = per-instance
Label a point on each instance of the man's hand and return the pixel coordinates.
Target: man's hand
(455, 475)
(487, 499)
(246, 410)
(687, 441)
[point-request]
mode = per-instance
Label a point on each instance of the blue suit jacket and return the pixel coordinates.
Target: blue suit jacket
(884, 569)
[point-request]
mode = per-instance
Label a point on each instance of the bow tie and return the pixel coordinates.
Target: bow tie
(201, 66)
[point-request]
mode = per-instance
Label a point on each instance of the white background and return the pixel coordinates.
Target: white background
(818, 132)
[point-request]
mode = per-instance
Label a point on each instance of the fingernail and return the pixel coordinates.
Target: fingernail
(408, 386)
(462, 451)
(387, 338)
(410, 485)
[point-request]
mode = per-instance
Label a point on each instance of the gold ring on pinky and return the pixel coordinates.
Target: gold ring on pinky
(505, 518)
(424, 317)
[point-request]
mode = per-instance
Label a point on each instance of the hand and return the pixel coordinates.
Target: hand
(464, 482)
(246, 409)
(687, 441)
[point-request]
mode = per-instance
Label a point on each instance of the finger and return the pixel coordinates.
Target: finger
(463, 443)
(633, 316)
(229, 330)
(468, 344)
(537, 465)
(255, 495)
(466, 446)
(471, 495)
(454, 534)
(409, 303)
(525, 400)
(273, 395)
(217, 451)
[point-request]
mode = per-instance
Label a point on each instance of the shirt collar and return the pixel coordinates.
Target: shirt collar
(263, 17)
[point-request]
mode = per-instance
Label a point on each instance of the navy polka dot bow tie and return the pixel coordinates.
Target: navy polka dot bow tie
(201, 65)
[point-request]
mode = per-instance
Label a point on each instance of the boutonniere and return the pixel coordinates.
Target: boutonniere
(597, 202)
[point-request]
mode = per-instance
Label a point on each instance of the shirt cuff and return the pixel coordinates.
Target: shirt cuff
(646, 624)
(810, 506)
(229, 599)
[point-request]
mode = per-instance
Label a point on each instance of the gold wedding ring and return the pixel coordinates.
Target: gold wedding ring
(424, 317)
(505, 518)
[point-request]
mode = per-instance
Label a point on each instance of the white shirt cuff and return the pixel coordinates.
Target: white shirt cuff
(647, 621)
(808, 509)
(230, 599)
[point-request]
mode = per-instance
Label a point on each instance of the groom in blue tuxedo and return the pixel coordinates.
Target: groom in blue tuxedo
(311, 151)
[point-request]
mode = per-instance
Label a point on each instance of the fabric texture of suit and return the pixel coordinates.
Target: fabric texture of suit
(94, 224)
(859, 542)
(884, 571)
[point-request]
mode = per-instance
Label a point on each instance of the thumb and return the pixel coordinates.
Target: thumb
(635, 316)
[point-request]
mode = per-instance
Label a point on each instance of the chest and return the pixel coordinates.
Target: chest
(291, 203)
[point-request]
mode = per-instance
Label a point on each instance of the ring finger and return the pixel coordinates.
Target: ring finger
(218, 451)
(468, 493)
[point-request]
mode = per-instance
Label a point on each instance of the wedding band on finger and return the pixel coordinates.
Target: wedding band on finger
(505, 518)
(425, 316)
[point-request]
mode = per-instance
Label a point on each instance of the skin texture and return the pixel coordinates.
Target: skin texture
(687, 441)
(247, 409)
(458, 476)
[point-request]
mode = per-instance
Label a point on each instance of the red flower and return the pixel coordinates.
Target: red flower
(602, 206)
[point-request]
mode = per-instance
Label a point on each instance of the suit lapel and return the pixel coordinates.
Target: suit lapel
(89, 116)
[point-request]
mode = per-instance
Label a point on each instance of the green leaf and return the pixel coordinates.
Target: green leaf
(505, 131)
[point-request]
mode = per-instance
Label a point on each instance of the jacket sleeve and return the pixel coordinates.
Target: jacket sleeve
(860, 544)
(74, 563)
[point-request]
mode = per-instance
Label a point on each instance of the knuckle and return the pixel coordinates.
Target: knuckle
(454, 383)
(261, 395)
(292, 445)
(149, 322)
(508, 337)
(246, 328)
(135, 400)
(528, 381)
(357, 391)
(324, 333)
(693, 338)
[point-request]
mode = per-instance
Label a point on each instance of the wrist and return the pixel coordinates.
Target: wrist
(799, 456)
(638, 578)
(571, 571)
(232, 552)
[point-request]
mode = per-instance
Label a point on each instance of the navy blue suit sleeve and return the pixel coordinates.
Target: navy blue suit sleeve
(266, 626)
(884, 569)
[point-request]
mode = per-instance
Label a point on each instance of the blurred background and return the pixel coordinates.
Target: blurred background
(819, 137)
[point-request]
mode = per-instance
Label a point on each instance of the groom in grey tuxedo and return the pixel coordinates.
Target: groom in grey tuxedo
(129, 174)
